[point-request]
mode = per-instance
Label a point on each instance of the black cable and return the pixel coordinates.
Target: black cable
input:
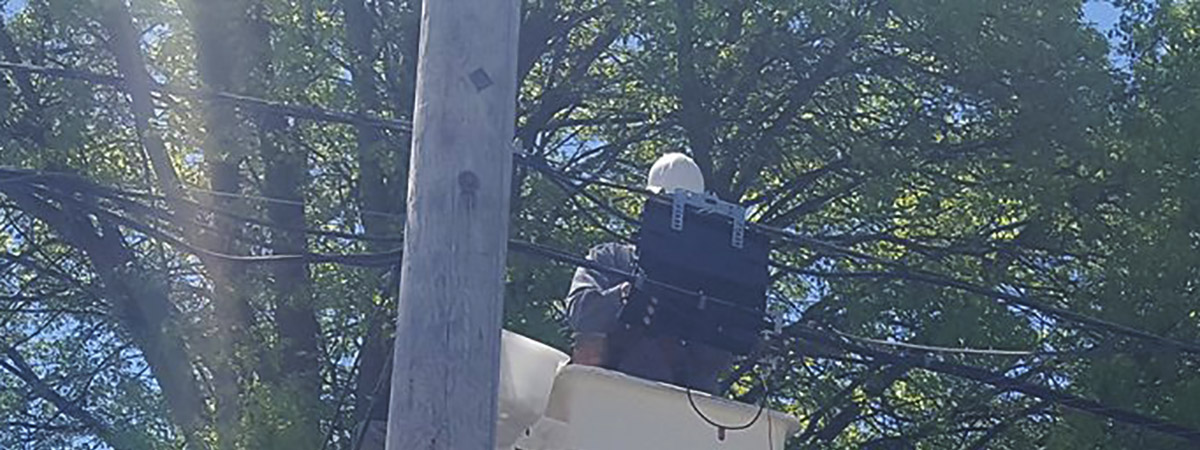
(563, 257)
(398, 125)
(126, 196)
(917, 275)
(541, 166)
(23, 175)
(563, 181)
(787, 236)
(926, 277)
(940, 349)
(288, 110)
(722, 428)
(977, 374)
(574, 191)
(361, 259)
(334, 116)
(821, 337)
(801, 331)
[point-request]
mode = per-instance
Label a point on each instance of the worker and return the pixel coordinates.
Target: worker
(595, 299)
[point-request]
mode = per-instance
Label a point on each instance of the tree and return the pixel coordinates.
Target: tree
(186, 266)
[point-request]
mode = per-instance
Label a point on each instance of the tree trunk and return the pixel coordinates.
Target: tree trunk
(299, 374)
(184, 400)
(140, 301)
(375, 195)
(226, 56)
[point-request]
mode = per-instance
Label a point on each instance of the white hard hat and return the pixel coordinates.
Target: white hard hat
(675, 171)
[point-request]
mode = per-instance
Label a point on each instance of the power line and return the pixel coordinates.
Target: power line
(940, 349)
(974, 373)
(556, 177)
(782, 234)
(307, 112)
(282, 201)
(26, 175)
(1087, 321)
(912, 275)
(386, 258)
(808, 242)
(119, 197)
(563, 257)
(812, 334)
(285, 109)
(908, 273)
(799, 331)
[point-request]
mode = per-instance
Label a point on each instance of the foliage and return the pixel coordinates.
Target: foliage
(996, 143)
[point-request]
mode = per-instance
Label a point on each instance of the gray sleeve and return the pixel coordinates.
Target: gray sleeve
(594, 300)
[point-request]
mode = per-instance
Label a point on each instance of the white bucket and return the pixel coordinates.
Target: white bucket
(605, 410)
(527, 372)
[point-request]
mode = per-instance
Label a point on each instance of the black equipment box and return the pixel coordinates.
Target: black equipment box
(703, 245)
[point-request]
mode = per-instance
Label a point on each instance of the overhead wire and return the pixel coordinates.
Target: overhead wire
(784, 235)
(815, 334)
(905, 272)
(721, 427)
(566, 182)
(377, 259)
(305, 112)
(1095, 323)
(574, 191)
(116, 192)
(282, 201)
(285, 109)
(941, 349)
(977, 374)
(520, 158)
(800, 331)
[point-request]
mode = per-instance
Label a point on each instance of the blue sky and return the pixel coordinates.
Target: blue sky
(12, 6)
(1102, 14)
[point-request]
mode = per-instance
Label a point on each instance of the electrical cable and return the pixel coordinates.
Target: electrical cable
(361, 259)
(562, 180)
(289, 110)
(722, 428)
(926, 277)
(813, 334)
(541, 166)
(125, 194)
(909, 274)
(939, 349)
(305, 112)
(999, 380)
(24, 175)
(573, 192)
(563, 257)
(799, 331)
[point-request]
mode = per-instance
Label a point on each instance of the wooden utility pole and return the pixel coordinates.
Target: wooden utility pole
(447, 350)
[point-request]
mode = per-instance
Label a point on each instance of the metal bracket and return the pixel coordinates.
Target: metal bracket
(739, 230)
(709, 204)
(678, 206)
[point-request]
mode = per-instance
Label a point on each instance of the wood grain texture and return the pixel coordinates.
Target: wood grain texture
(448, 328)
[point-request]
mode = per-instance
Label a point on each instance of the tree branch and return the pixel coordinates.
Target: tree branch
(19, 368)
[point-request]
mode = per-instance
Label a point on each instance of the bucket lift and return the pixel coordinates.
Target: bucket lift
(692, 241)
(547, 404)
